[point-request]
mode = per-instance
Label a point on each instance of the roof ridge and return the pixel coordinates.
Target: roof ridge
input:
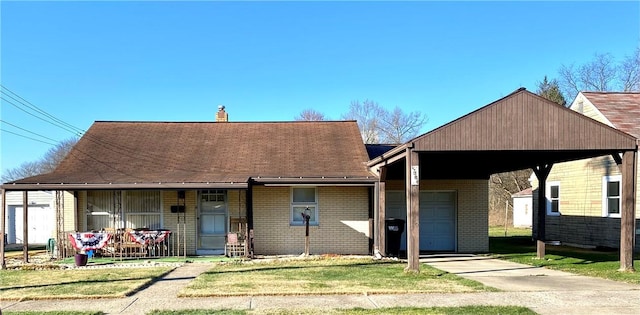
(226, 122)
(611, 92)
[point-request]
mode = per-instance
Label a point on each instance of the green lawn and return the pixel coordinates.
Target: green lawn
(521, 248)
(326, 275)
(501, 231)
(75, 283)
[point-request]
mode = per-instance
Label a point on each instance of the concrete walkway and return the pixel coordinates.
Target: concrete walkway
(542, 290)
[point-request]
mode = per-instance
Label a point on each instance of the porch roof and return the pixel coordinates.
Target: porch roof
(183, 155)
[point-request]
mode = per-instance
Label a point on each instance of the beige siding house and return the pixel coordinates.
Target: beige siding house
(584, 196)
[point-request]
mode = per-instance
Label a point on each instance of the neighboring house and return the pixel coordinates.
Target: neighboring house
(523, 208)
(584, 197)
(41, 217)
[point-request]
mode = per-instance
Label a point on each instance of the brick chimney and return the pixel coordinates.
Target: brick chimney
(221, 115)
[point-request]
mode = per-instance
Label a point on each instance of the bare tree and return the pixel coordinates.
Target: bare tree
(367, 114)
(378, 125)
(310, 115)
(26, 169)
(629, 72)
(46, 164)
(501, 187)
(601, 74)
(398, 127)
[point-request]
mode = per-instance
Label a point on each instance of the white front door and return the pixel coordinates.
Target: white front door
(212, 221)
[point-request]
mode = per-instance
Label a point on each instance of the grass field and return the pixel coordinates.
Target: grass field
(325, 275)
(519, 247)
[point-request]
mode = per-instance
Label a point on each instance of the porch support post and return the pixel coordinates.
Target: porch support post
(249, 201)
(60, 223)
(3, 214)
(412, 184)
(382, 212)
(629, 170)
(542, 172)
(25, 226)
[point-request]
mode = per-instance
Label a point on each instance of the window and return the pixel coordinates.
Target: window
(611, 192)
(124, 209)
(304, 201)
(100, 209)
(142, 209)
(553, 198)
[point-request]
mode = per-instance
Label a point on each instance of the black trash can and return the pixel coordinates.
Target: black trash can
(394, 228)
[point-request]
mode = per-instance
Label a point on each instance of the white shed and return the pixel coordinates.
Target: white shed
(522, 208)
(41, 220)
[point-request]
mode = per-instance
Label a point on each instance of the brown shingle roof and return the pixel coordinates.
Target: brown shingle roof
(201, 152)
(622, 109)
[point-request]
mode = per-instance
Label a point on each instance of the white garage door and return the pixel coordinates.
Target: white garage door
(437, 218)
(438, 221)
(42, 222)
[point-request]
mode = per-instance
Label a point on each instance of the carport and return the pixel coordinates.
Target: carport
(520, 131)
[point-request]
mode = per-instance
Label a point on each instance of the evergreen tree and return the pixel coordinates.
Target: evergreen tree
(551, 91)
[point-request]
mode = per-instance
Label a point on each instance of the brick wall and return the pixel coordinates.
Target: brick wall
(472, 210)
(342, 229)
(181, 233)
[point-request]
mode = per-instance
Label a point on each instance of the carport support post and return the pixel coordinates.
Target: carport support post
(412, 182)
(25, 225)
(627, 216)
(542, 172)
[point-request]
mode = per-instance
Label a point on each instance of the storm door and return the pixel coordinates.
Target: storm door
(212, 222)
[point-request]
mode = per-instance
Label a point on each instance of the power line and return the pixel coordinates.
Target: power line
(34, 139)
(31, 132)
(30, 105)
(114, 147)
(47, 121)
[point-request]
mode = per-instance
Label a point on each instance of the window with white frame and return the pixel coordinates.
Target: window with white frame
(304, 201)
(553, 198)
(611, 193)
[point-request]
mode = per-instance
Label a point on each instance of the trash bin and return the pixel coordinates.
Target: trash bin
(394, 229)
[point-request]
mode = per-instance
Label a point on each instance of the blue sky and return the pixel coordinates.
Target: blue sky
(83, 61)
